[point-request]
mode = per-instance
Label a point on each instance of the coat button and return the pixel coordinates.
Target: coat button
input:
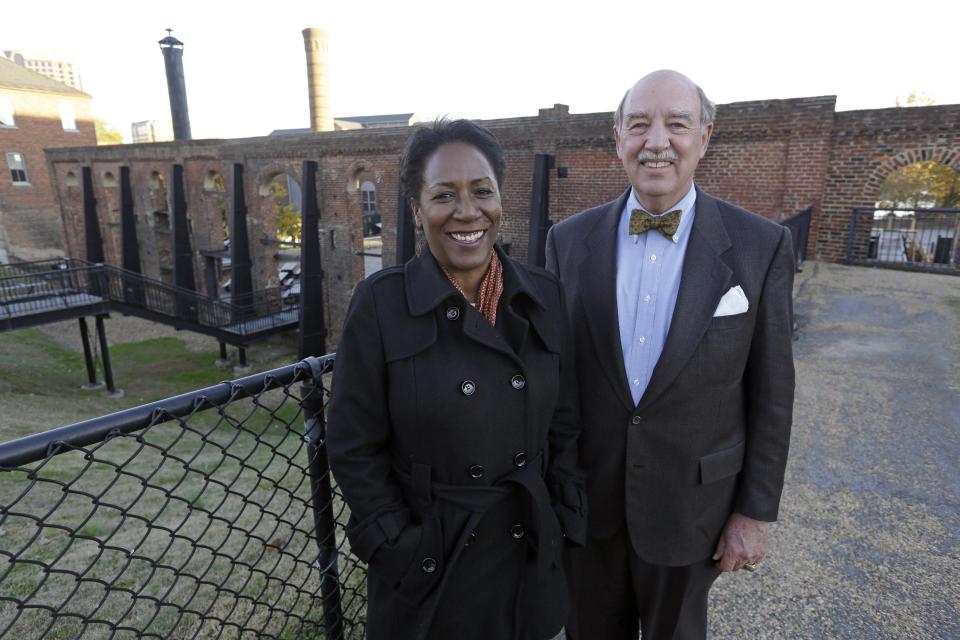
(636, 419)
(516, 531)
(520, 460)
(429, 565)
(453, 313)
(477, 471)
(468, 387)
(518, 382)
(472, 538)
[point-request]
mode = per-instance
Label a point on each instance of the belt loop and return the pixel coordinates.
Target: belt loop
(420, 480)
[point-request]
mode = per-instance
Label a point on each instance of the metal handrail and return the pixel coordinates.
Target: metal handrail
(112, 283)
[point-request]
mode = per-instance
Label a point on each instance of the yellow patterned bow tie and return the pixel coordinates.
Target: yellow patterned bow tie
(667, 223)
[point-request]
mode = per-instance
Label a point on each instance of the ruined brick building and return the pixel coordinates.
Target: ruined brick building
(774, 157)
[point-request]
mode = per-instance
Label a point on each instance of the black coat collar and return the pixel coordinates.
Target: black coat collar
(427, 286)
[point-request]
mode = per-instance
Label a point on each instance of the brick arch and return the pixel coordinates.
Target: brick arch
(943, 155)
(359, 170)
(267, 173)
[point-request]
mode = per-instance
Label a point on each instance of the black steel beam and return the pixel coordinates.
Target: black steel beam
(539, 210)
(105, 354)
(183, 275)
(88, 354)
(128, 224)
(91, 223)
(313, 329)
(241, 277)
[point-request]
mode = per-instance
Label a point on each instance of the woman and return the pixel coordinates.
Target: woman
(451, 428)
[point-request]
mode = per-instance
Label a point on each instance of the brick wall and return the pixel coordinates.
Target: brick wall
(866, 147)
(774, 157)
(31, 220)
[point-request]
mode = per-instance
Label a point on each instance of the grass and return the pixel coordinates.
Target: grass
(194, 528)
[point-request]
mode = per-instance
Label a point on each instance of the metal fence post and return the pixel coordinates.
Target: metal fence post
(315, 432)
(852, 233)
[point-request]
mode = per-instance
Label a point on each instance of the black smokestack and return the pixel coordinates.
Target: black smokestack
(173, 60)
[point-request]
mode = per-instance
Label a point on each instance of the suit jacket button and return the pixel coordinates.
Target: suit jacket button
(477, 471)
(516, 531)
(429, 565)
(636, 419)
(520, 460)
(468, 387)
(518, 382)
(453, 313)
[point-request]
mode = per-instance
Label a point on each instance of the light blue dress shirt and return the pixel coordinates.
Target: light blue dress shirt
(649, 267)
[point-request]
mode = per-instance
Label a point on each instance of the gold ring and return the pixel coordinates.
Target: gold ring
(750, 566)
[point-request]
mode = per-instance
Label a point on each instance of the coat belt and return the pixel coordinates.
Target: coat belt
(478, 500)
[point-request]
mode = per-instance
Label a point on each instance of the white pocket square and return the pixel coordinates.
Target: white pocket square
(733, 302)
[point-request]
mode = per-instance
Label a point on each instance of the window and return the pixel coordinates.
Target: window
(368, 196)
(18, 168)
(6, 112)
(68, 117)
(368, 200)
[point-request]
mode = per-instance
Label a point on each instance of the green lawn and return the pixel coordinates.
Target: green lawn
(191, 528)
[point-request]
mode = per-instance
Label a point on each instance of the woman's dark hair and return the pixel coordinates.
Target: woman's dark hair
(428, 138)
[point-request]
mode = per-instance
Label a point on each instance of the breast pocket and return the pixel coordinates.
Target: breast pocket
(724, 348)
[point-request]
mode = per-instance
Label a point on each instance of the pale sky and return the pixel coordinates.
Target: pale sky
(246, 72)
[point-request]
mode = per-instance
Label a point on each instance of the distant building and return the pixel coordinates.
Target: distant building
(55, 69)
(36, 113)
(151, 131)
(360, 122)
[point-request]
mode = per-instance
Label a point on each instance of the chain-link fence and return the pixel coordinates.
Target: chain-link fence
(206, 515)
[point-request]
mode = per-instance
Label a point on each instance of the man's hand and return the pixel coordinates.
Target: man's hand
(743, 540)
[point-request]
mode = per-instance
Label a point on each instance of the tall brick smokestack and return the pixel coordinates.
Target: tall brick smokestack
(176, 86)
(315, 45)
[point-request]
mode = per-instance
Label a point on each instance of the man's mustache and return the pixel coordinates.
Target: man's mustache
(653, 156)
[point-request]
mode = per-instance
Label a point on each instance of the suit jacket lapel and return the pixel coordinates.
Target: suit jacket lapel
(704, 281)
(598, 284)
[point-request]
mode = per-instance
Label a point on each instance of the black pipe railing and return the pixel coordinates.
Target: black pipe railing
(29, 288)
(799, 225)
(903, 238)
(210, 513)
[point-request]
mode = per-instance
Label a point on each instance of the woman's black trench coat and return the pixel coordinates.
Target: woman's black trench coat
(454, 444)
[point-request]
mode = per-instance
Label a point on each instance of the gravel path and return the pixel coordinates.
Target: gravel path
(867, 542)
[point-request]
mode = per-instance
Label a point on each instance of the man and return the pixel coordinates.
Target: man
(680, 305)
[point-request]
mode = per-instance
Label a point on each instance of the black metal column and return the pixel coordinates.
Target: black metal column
(315, 433)
(240, 265)
(406, 233)
(132, 289)
(128, 224)
(539, 210)
(183, 276)
(88, 356)
(105, 356)
(313, 329)
(91, 223)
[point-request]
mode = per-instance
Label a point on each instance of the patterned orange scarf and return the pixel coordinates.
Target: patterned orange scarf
(491, 288)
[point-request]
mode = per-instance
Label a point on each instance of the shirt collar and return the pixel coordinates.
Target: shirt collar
(686, 206)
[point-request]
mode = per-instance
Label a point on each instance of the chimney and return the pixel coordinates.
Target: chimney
(315, 45)
(176, 87)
